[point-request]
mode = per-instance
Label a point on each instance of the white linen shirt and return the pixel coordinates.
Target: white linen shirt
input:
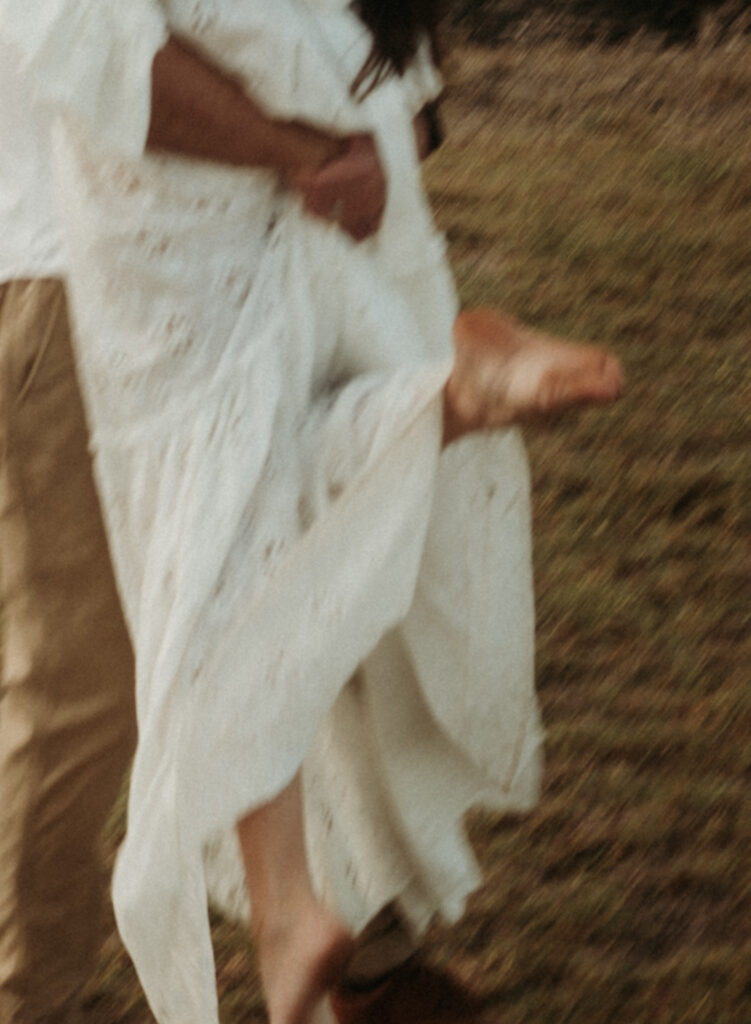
(90, 59)
(29, 237)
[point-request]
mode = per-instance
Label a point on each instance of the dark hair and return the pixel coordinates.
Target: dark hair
(397, 27)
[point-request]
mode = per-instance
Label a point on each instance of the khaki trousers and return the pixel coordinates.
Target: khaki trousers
(67, 717)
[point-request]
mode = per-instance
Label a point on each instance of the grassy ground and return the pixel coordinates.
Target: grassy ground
(607, 194)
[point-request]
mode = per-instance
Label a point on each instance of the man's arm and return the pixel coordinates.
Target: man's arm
(114, 68)
(200, 112)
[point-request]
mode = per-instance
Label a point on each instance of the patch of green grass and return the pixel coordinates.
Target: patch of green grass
(623, 897)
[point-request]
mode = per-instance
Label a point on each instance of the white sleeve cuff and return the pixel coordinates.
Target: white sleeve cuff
(422, 79)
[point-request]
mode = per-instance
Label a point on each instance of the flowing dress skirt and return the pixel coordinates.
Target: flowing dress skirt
(308, 580)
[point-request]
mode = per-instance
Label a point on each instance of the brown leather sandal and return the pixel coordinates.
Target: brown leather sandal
(415, 993)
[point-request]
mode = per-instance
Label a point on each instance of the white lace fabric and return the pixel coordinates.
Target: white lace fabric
(308, 581)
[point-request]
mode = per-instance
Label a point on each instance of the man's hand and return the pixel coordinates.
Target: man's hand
(349, 189)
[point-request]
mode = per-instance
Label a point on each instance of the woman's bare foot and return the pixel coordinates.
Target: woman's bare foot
(506, 373)
(303, 947)
(302, 954)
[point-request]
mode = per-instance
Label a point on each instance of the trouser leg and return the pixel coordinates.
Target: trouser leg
(67, 718)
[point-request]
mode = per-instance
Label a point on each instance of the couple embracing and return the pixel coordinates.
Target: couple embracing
(314, 490)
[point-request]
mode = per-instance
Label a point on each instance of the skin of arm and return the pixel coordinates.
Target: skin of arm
(199, 111)
(75, 54)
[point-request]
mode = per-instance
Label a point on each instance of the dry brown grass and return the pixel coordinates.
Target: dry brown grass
(607, 194)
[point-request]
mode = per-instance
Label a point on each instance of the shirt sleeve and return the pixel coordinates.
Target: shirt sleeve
(90, 60)
(422, 79)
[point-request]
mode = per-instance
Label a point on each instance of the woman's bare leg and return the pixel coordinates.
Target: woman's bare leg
(504, 373)
(302, 947)
(507, 373)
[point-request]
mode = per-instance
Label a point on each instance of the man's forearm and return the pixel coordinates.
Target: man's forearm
(198, 111)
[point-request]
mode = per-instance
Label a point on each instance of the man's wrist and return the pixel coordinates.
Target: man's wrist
(302, 148)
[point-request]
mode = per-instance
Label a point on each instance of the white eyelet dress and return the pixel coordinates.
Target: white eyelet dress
(307, 579)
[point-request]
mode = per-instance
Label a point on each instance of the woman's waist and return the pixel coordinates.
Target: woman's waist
(159, 187)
